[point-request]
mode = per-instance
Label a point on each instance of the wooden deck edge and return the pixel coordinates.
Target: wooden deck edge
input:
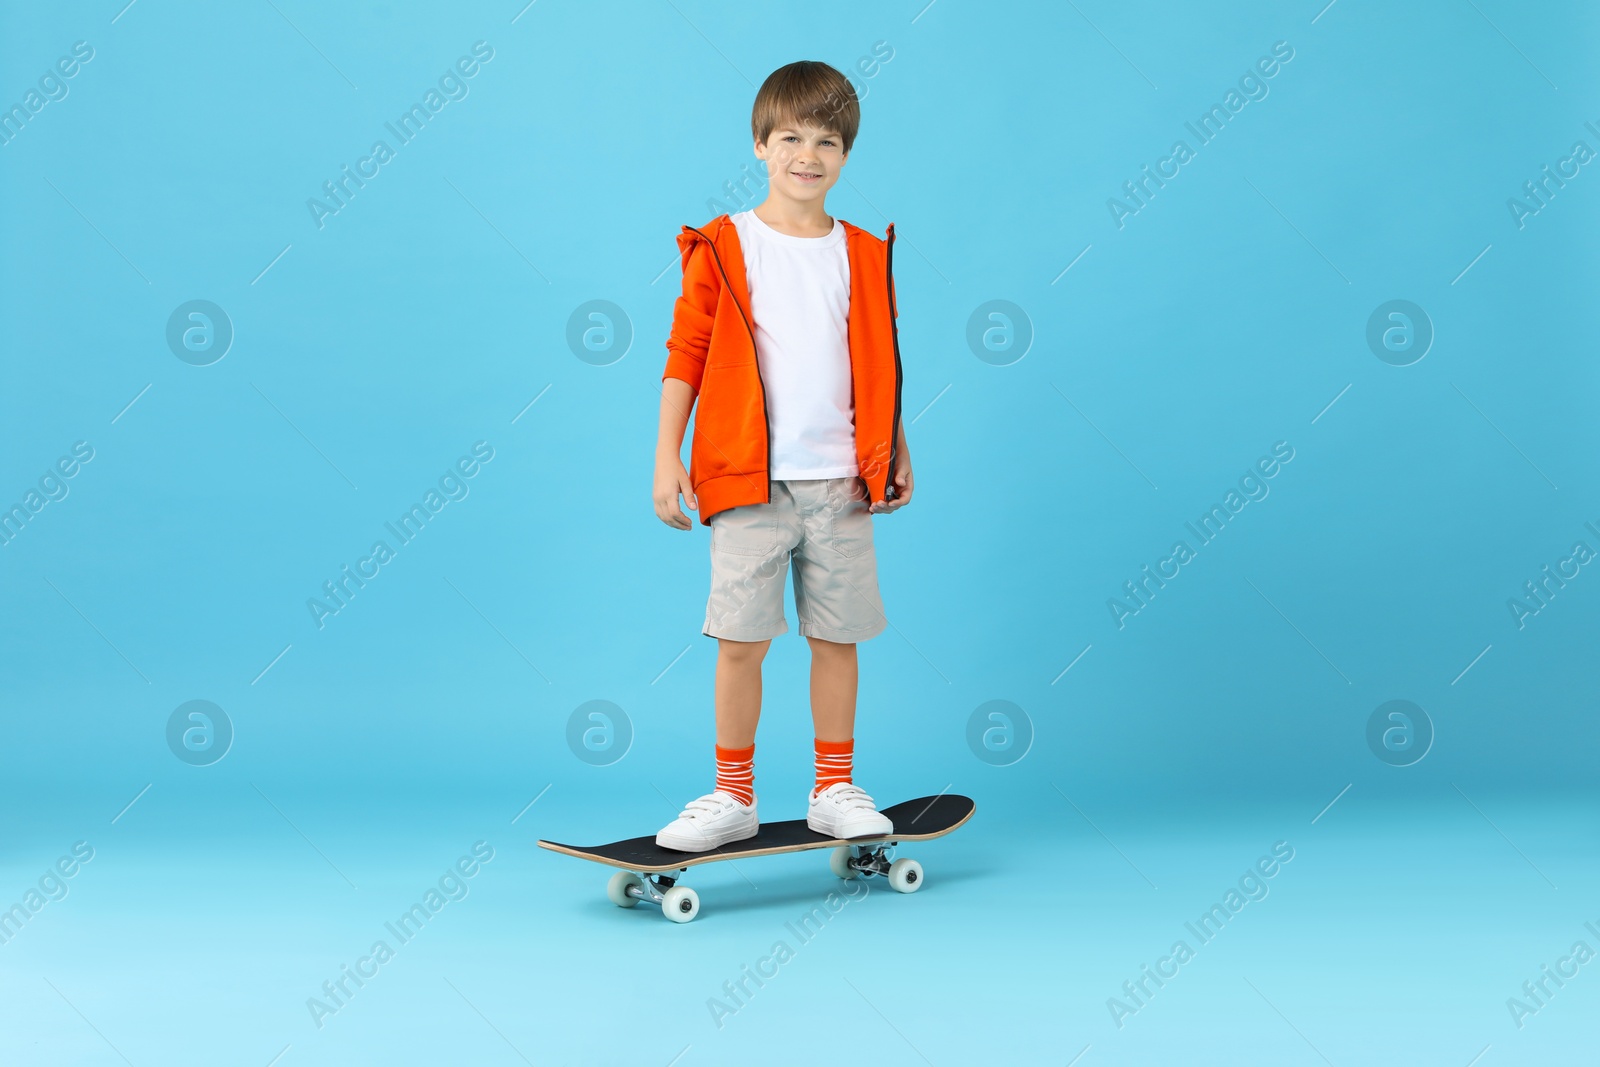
(694, 859)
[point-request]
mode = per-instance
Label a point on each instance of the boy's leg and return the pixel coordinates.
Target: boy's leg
(750, 547)
(738, 691)
(738, 699)
(715, 819)
(834, 675)
(836, 597)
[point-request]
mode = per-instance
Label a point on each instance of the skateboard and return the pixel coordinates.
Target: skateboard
(651, 873)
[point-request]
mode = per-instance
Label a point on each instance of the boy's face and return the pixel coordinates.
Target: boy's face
(803, 161)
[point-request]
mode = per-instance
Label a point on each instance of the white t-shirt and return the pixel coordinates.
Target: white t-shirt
(800, 300)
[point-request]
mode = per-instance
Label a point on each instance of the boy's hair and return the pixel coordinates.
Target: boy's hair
(807, 93)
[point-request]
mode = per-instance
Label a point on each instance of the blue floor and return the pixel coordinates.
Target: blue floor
(1396, 934)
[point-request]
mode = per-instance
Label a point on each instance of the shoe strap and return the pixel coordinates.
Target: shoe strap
(850, 795)
(706, 806)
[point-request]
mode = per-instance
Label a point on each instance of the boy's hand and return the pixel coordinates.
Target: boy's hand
(671, 480)
(902, 486)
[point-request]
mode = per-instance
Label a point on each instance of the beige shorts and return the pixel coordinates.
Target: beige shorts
(825, 527)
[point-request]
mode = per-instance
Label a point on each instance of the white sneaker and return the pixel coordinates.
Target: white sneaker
(844, 810)
(710, 822)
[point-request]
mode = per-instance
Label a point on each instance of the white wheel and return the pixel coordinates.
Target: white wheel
(905, 876)
(680, 904)
(839, 863)
(617, 888)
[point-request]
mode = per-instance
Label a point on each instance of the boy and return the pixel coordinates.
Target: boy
(785, 333)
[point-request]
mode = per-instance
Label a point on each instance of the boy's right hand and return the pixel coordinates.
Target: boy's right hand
(672, 480)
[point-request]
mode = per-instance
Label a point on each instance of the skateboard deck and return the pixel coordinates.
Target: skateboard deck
(642, 864)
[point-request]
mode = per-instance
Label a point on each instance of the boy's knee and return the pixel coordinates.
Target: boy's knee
(743, 651)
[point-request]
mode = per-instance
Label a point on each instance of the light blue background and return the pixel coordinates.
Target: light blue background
(1230, 313)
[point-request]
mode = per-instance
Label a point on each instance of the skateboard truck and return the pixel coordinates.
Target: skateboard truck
(870, 859)
(653, 887)
(853, 861)
(678, 902)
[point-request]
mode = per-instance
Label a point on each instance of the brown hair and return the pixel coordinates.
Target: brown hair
(807, 93)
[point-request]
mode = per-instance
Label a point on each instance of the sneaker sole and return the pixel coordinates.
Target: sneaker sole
(683, 844)
(828, 831)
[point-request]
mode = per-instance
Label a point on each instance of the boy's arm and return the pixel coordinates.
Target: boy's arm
(693, 314)
(677, 399)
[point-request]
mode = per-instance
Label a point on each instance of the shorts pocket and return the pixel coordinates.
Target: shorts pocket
(747, 530)
(850, 527)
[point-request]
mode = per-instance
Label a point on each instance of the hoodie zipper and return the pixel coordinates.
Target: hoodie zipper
(755, 354)
(894, 333)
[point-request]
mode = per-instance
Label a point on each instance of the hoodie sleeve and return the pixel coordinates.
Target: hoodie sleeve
(692, 313)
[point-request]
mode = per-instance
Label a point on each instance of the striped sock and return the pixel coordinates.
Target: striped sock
(736, 772)
(833, 763)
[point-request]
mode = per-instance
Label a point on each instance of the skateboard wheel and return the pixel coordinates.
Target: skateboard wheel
(839, 862)
(617, 888)
(905, 876)
(680, 904)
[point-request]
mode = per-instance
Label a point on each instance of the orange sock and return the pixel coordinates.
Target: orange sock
(833, 763)
(736, 772)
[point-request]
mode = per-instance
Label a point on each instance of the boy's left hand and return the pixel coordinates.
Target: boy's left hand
(901, 477)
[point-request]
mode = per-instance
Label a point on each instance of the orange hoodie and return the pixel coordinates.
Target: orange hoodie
(713, 347)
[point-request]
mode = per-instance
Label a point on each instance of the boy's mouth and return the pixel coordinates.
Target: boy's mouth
(806, 176)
